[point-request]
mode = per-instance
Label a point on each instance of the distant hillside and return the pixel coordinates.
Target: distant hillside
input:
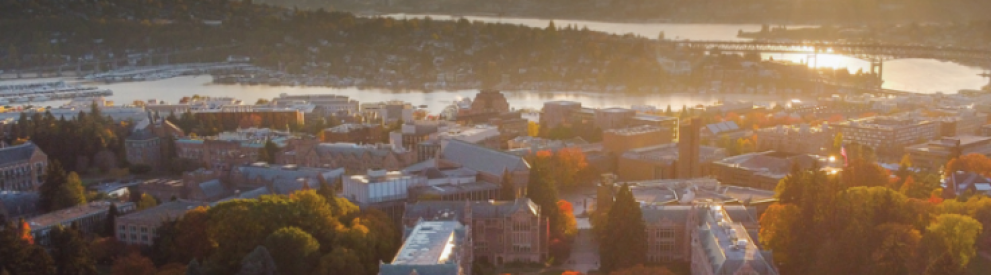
(726, 11)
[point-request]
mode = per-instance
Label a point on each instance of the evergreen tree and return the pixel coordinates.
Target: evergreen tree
(56, 193)
(269, 152)
(325, 190)
(668, 112)
(626, 236)
(193, 268)
(258, 262)
(19, 256)
(70, 252)
(542, 190)
(508, 190)
(109, 224)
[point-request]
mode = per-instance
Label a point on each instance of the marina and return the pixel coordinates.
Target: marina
(46, 91)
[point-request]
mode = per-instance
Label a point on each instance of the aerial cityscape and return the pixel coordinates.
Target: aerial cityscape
(460, 137)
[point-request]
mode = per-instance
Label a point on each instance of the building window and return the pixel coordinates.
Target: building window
(667, 233)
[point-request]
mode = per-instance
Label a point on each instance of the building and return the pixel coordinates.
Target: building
(689, 158)
(620, 140)
(22, 167)
(326, 104)
(665, 162)
(723, 131)
(284, 179)
(413, 133)
(721, 245)
(452, 184)
(802, 139)
(502, 231)
(484, 135)
(354, 133)
(435, 248)
(936, 153)
(763, 170)
(492, 165)
(489, 101)
(141, 227)
(887, 135)
(231, 116)
(90, 217)
(613, 118)
(148, 142)
(355, 158)
(15, 205)
(557, 113)
(388, 111)
(379, 186)
(165, 189)
(534, 144)
(665, 122)
(230, 149)
(959, 122)
(960, 183)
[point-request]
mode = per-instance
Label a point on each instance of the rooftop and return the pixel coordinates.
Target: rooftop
(79, 211)
(636, 130)
(483, 159)
(165, 211)
(17, 153)
(430, 243)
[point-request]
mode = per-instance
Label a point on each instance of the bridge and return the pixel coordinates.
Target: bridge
(865, 51)
(875, 53)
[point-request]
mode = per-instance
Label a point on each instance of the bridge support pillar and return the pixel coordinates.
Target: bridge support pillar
(877, 68)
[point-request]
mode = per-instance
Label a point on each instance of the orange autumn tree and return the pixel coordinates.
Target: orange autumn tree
(643, 270)
(26, 232)
(976, 163)
(568, 162)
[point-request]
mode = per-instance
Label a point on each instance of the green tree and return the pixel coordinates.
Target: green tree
(340, 260)
(258, 262)
(626, 235)
(954, 235)
(60, 191)
(70, 252)
(291, 248)
(133, 263)
(147, 201)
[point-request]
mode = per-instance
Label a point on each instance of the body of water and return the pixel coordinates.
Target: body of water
(173, 89)
(920, 75)
(916, 75)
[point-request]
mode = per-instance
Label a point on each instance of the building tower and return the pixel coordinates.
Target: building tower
(688, 150)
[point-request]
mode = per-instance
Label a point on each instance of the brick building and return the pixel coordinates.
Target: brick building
(762, 170)
(887, 135)
(354, 133)
(664, 162)
(22, 167)
(624, 139)
(141, 227)
(148, 142)
(801, 139)
(502, 231)
(936, 153)
(89, 216)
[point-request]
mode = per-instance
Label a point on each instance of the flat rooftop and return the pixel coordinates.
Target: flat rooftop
(166, 211)
(430, 243)
(84, 210)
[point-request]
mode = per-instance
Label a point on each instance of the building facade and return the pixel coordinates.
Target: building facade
(887, 135)
(90, 217)
(148, 142)
(433, 247)
(22, 167)
(935, 154)
(762, 170)
(689, 164)
(141, 227)
(802, 139)
(502, 231)
(620, 140)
